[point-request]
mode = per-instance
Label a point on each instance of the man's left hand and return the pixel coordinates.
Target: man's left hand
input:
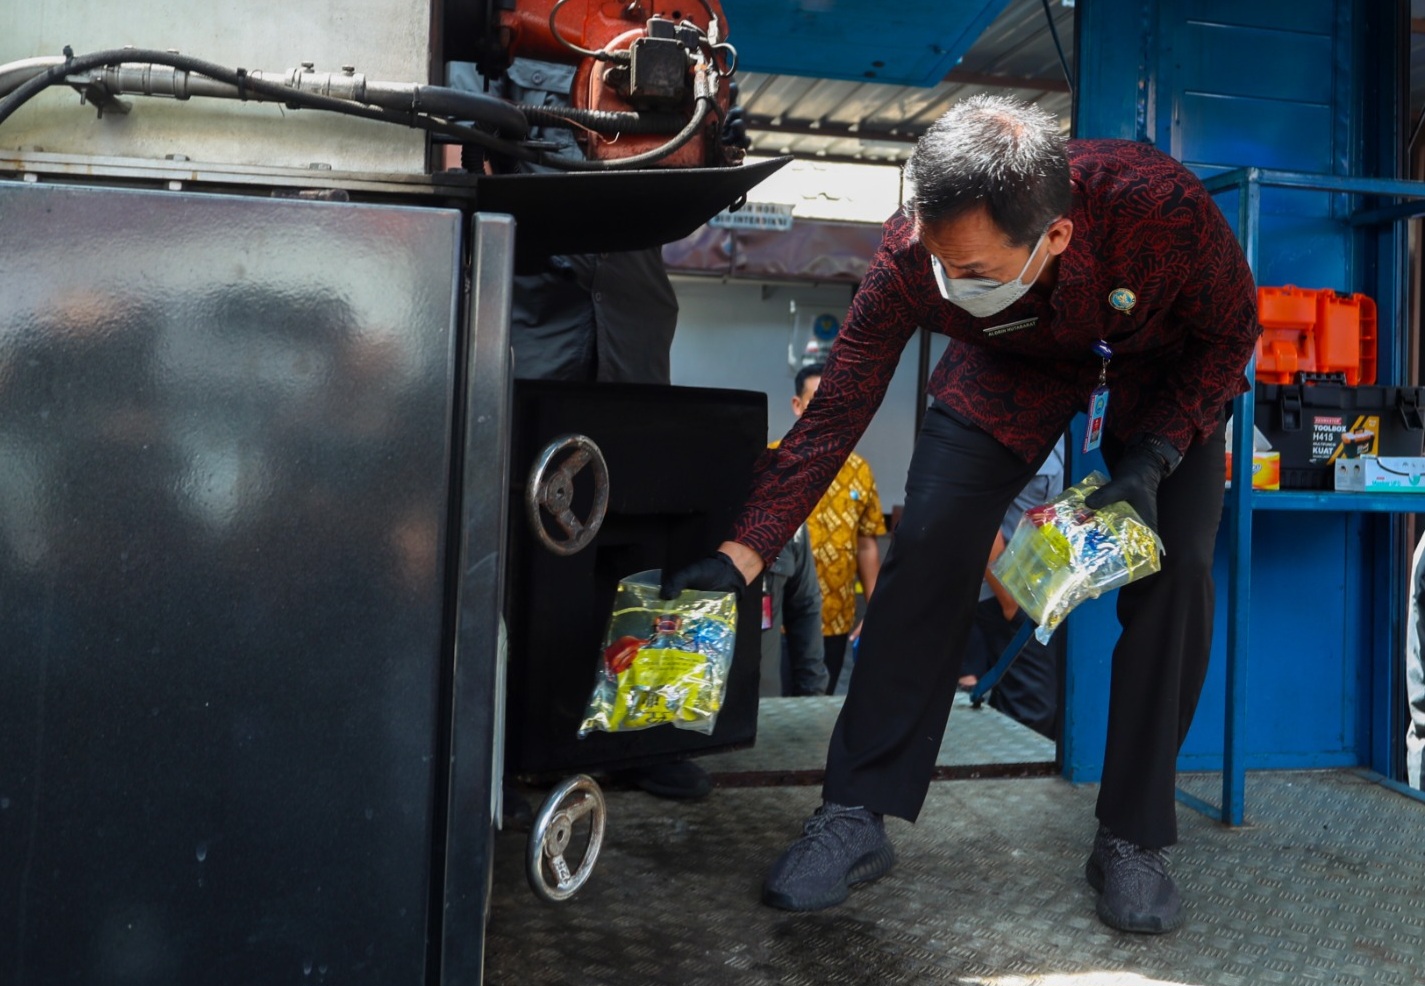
(1143, 466)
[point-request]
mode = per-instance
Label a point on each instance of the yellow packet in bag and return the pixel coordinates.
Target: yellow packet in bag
(1063, 553)
(665, 661)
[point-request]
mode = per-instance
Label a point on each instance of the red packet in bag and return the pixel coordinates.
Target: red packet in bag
(664, 661)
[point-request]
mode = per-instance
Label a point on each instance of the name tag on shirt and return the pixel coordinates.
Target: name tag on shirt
(999, 330)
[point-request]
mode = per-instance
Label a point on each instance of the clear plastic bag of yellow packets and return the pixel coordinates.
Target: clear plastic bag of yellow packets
(1063, 553)
(664, 662)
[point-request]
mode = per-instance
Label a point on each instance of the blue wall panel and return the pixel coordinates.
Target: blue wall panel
(1306, 701)
(1303, 243)
(1114, 43)
(1304, 698)
(1291, 66)
(1237, 131)
(1305, 251)
(1281, 15)
(1222, 84)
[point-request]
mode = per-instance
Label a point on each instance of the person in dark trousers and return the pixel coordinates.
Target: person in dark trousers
(793, 662)
(1028, 691)
(1062, 272)
(598, 317)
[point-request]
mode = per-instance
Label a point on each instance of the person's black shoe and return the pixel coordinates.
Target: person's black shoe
(679, 779)
(839, 847)
(1136, 892)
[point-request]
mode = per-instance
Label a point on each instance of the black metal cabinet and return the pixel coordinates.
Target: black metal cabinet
(679, 463)
(227, 456)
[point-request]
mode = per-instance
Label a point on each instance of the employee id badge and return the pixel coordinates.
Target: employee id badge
(1098, 410)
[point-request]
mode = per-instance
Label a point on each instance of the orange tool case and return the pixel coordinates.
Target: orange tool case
(1315, 331)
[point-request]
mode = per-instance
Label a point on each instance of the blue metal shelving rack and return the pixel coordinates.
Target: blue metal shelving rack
(1242, 500)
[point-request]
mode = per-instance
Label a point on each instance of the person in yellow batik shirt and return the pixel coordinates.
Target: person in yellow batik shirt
(843, 528)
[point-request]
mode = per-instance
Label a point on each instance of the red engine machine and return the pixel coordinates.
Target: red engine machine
(653, 84)
(654, 80)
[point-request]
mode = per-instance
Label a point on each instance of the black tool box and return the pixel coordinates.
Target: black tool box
(1313, 423)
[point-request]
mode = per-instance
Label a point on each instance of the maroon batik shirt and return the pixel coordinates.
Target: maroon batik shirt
(1141, 222)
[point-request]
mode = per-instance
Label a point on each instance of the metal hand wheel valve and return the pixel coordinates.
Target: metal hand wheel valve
(549, 494)
(550, 874)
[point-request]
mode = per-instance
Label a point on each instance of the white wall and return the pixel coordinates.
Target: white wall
(734, 334)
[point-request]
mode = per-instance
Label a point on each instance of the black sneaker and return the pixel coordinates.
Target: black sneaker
(839, 847)
(1137, 894)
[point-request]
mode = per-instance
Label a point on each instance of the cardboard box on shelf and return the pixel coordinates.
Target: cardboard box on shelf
(1266, 463)
(1350, 475)
(1393, 474)
(1266, 470)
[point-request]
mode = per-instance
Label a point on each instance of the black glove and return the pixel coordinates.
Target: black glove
(1144, 464)
(715, 573)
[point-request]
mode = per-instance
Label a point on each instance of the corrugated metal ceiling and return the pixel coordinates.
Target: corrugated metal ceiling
(872, 122)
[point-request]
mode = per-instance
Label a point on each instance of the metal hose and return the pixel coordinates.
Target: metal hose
(648, 157)
(603, 121)
(212, 78)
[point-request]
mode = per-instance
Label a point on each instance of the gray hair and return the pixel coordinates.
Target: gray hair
(996, 152)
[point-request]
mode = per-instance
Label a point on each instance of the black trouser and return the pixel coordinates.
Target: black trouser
(834, 647)
(961, 482)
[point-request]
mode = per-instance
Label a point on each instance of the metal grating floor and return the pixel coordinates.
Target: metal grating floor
(1325, 885)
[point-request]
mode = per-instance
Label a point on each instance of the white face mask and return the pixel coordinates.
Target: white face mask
(983, 296)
